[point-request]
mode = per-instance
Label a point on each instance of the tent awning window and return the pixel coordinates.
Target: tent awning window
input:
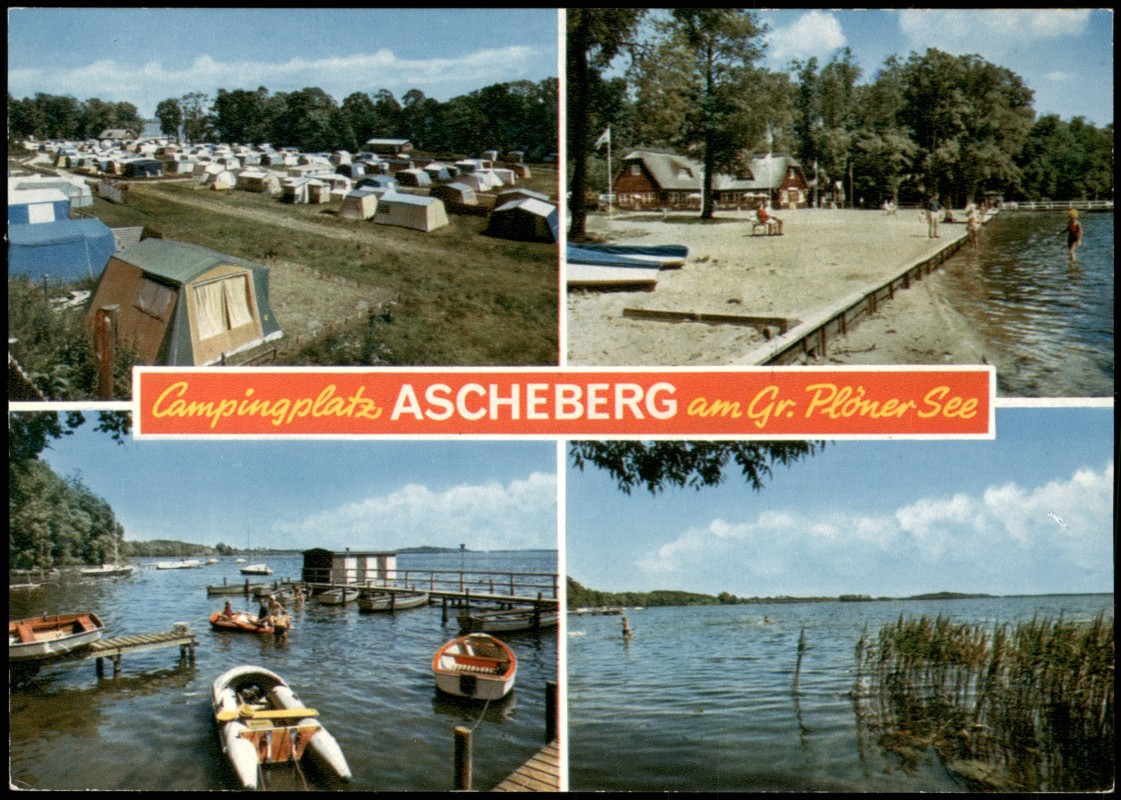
(155, 299)
(223, 305)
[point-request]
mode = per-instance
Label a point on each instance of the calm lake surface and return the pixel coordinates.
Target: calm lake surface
(701, 698)
(369, 675)
(1046, 322)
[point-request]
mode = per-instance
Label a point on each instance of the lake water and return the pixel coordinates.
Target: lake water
(369, 675)
(701, 698)
(1046, 322)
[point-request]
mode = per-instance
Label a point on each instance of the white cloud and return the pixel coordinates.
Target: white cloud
(1059, 76)
(815, 33)
(1001, 541)
(490, 516)
(990, 32)
(145, 85)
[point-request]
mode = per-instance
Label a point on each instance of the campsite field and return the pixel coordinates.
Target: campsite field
(360, 293)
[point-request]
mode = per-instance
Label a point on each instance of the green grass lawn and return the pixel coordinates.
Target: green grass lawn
(463, 298)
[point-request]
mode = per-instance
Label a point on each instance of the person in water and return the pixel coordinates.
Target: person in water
(1074, 233)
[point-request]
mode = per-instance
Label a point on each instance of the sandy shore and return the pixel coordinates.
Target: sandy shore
(823, 257)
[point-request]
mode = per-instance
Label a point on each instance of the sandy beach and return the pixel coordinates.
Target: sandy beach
(822, 257)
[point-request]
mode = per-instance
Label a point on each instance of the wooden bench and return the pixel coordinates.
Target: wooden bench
(768, 227)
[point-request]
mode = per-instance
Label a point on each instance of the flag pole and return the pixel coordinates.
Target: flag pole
(610, 178)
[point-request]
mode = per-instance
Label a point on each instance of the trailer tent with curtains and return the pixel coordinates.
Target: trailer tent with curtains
(65, 251)
(181, 304)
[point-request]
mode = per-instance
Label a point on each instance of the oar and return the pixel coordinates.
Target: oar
(268, 713)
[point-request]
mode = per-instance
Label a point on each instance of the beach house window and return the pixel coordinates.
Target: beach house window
(636, 169)
(155, 299)
(222, 305)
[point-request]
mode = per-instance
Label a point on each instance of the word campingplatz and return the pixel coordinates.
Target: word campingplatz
(171, 402)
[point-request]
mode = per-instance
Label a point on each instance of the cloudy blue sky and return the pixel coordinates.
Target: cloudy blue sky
(1064, 55)
(892, 518)
(143, 56)
(333, 494)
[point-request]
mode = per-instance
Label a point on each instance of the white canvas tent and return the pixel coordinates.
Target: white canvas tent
(359, 204)
(409, 211)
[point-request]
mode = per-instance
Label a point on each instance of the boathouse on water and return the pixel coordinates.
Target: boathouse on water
(365, 568)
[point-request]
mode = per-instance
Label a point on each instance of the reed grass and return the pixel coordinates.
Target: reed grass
(1025, 707)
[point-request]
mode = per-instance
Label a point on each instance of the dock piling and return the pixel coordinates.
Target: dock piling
(462, 759)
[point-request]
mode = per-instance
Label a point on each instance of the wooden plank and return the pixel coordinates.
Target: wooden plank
(541, 773)
(751, 320)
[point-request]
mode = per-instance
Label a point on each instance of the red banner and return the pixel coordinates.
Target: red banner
(674, 403)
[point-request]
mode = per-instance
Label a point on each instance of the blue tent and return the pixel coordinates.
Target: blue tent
(64, 251)
(37, 206)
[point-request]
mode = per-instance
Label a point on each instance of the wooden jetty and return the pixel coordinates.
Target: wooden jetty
(540, 773)
(117, 646)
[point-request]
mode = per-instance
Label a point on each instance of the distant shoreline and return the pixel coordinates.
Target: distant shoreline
(585, 598)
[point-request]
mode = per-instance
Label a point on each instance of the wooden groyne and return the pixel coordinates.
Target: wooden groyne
(1058, 205)
(811, 338)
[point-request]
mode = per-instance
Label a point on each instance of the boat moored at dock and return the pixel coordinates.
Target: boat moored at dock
(38, 638)
(477, 666)
(508, 620)
(391, 601)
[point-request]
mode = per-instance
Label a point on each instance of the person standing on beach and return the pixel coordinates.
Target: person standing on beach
(1074, 233)
(933, 207)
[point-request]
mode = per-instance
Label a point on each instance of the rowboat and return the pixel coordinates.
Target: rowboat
(240, 622)
(391, 601)
(44, 637)
(477, 666)
(508, 620)
(256, 569)
(261, 721)
(337, 597)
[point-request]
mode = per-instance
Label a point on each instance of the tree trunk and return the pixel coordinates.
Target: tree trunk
(578, 126)
(708, 208)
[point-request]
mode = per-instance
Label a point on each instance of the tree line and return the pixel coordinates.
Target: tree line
(55, 521)
(931, 122)
(52, 116)
(519, 115)
(580, 596)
